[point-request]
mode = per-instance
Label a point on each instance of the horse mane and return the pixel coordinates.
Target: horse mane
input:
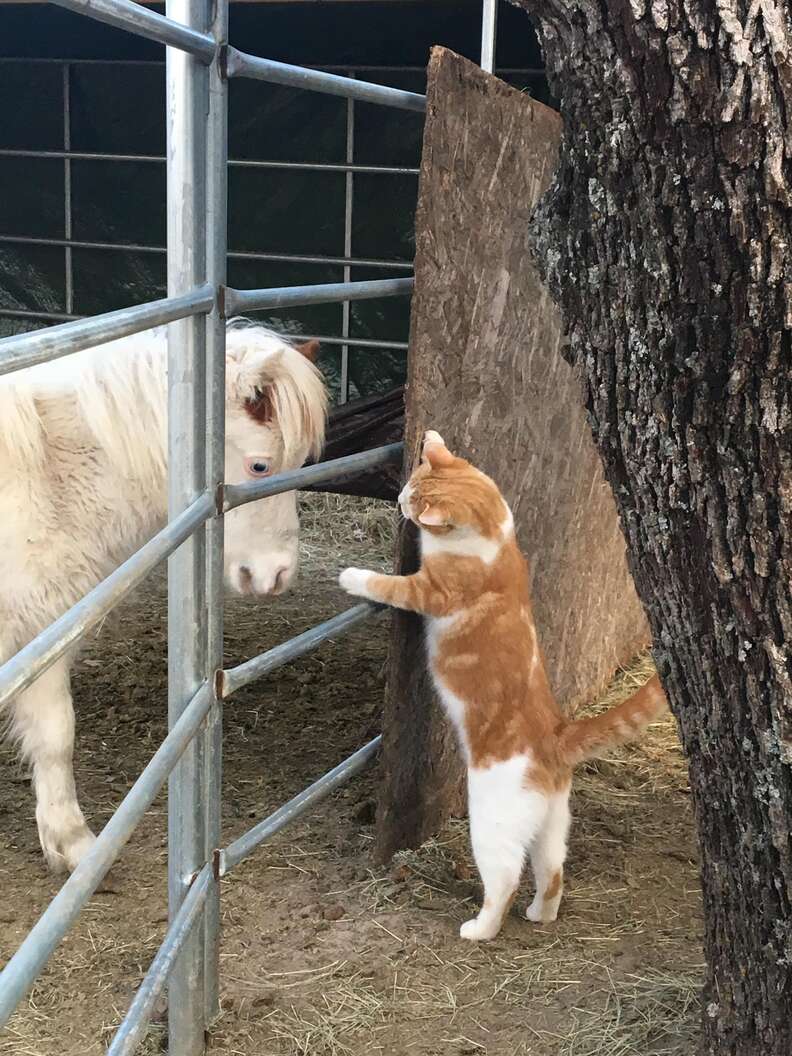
(118, 391)
(21, 440)
(113, 394)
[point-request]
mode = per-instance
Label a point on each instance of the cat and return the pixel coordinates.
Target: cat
(489, 673)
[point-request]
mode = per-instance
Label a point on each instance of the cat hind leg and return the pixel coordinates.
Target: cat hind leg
(548, 854)
(504, 819)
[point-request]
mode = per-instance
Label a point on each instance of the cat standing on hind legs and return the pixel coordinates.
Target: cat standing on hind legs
(489, 673)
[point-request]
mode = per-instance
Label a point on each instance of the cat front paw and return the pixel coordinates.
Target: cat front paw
(431, 436)
(355, 581)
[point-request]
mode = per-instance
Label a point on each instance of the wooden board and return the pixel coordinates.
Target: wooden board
(485, 369)
(372, 421)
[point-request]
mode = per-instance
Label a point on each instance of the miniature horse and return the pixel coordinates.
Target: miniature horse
(83, 484)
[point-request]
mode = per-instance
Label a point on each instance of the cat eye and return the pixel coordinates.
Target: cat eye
(257, 467)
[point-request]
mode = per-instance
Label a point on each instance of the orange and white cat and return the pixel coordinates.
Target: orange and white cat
(489, 672)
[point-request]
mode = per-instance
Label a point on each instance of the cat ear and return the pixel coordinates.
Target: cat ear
(437, 455)
(433, 516)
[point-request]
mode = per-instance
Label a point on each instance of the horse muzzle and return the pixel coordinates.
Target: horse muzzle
(263, 579)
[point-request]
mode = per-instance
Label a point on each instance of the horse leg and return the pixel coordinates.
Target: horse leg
(43, 724)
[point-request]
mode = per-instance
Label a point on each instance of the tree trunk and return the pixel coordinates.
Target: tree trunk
(667, 241)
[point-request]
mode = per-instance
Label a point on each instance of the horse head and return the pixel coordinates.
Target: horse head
(276, 408)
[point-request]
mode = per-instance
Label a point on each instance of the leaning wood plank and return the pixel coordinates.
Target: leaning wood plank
(485, 369)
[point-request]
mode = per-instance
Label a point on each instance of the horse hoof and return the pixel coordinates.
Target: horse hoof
(64, 853)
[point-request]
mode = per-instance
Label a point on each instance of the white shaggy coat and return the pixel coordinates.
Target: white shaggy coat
(83, 484)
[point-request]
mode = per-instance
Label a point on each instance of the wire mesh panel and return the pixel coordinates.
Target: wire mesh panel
(299, 160)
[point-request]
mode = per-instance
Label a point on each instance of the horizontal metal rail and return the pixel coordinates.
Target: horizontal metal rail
(123, 14)
(356, 342)
(129, 1033)
(289, 812)
(334, 469)
(25, 313)
(236, 677)
(36, 656)
(324, 339)
(318, 293)
(26, 350)
(39, 944)
(529, 71)
(239, 64)
(238, 163)
(278, 258)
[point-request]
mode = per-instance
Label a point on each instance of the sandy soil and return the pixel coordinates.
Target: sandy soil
(325, 953)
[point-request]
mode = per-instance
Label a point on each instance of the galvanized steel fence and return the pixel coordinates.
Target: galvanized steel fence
(199, 63)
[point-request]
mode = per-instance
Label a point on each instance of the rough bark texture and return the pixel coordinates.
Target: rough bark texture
(485, 370)
(667, 240)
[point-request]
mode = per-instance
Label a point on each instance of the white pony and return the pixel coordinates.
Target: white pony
(83, 484)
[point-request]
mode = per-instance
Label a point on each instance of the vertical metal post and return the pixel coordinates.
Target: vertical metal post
(349, 205)
(67, 191)
(216, 253)
(489, 32)
(187, 103)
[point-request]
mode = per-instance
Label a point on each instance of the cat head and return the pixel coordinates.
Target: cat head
(446, 494)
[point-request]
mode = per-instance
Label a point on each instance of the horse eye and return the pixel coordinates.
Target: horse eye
(256, 467)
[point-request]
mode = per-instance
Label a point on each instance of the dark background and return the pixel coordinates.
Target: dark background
(117, 107)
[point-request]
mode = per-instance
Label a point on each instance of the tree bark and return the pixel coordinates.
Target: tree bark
(667, 241)
(484, 369)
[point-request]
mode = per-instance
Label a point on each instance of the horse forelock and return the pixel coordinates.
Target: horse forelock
(266, 375)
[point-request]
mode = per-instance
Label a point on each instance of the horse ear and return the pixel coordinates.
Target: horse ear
(310, 350)
(259, 406)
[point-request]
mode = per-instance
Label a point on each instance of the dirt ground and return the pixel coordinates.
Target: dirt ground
(325, 953)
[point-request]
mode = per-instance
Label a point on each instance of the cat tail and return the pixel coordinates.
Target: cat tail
(588, 738)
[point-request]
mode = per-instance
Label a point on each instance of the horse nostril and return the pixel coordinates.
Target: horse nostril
(280, 580)
(245, 580)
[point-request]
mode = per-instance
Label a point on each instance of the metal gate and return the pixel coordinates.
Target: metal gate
(199, 63)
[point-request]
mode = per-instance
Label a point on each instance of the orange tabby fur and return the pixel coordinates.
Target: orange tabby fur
(489, 671)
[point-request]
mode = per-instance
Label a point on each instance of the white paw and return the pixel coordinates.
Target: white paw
(475, 931)
(355, 581)
(538, 915)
